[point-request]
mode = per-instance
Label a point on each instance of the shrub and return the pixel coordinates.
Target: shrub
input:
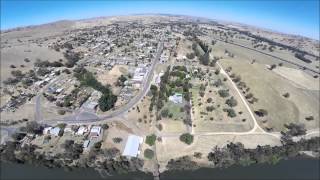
(210, 108)
(148, 153)
(261, 112)
(286, 95)
(309, 118)
(186, 138)
(159, 126)
(223, 93)
(62, 125)
(117, 139)
(150, 140)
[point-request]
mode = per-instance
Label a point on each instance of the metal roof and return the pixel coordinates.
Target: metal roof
(132, 146)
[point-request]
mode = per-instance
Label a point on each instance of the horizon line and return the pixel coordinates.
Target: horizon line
(164, 14)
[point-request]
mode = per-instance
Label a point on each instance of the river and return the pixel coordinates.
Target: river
(286, 169)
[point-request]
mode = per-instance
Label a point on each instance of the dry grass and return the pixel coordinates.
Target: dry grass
(269, 88)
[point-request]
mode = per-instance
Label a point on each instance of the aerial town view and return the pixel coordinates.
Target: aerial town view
(156, 95)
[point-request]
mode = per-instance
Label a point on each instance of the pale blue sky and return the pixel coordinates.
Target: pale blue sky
(289, 16)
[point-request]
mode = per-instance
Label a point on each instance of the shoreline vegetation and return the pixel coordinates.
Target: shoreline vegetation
(110, 162)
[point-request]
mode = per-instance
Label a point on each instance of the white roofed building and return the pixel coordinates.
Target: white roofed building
(132, 146)
(95, 131)
(55, 131)
(46, 130)
(176, 98)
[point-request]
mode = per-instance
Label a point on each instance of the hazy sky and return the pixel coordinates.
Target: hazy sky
(289, 16)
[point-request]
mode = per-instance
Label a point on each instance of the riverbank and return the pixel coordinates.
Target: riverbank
(300, 168)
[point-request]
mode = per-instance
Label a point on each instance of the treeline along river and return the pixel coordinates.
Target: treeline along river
(297, 168)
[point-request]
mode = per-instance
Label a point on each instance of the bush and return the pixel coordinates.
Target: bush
(261, 112)
(186, 138)
(223, 93)
(105, 126)
(309, 118)
(148, 153)
(61, 112)
(210, 108)
(286, 95)
(151, 139)
(117, 139)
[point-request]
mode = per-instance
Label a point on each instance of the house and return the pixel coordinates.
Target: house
(139, 74)
(176, 98)
(81, 130)
(46, 130)
(68, 129)
(55, 131)
(95, 131)
(158, 79)
(132, 146)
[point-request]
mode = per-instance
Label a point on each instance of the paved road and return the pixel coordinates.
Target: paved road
(37, 108)
(267, 54)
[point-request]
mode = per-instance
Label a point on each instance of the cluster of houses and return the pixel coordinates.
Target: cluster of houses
(94, 134)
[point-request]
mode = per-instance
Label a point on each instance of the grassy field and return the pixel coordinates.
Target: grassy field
(217, 120)
(167, 149)
(269, 88)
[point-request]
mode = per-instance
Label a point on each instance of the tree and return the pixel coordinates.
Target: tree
(121, 80)
(295, 129)
(107, 101)
(231, 112)
(34, 127)
(231, 102)
(165, 113)
(210, 108)
(182, 163)
(186, 138)
(110, 153)
(190, 55)
(197, 155)
(151, 139)
(223, 93)
(148, 153)
(205, 59)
